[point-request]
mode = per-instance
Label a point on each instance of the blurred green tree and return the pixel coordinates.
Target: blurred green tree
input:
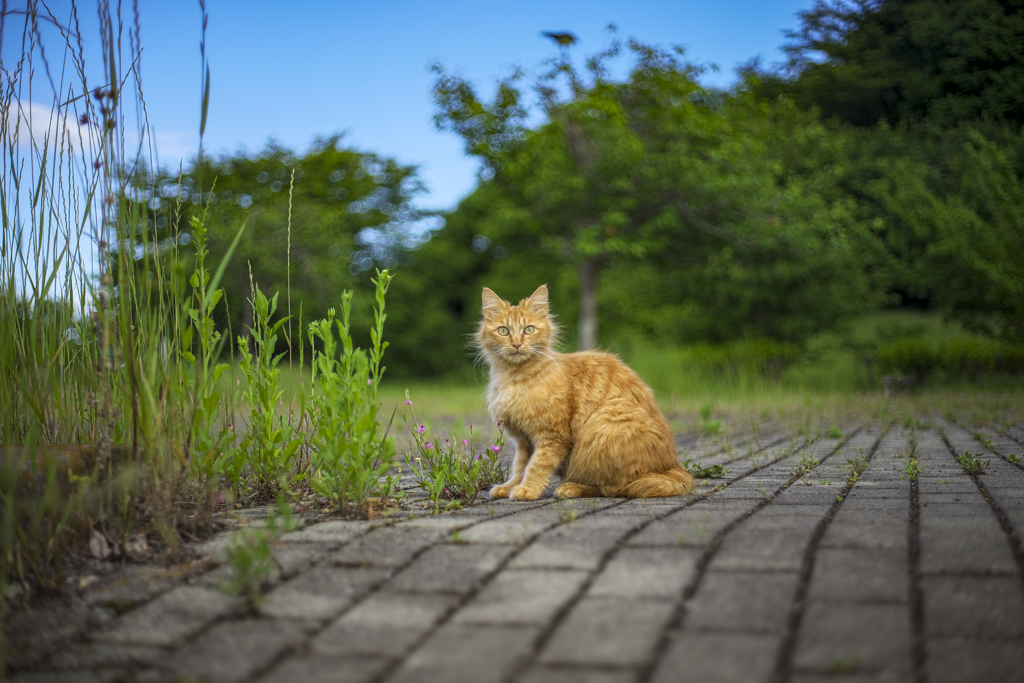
(900, 60)
(310, 235)
(735, 195)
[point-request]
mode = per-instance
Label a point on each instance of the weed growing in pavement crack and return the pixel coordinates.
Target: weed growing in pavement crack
(701, 472)
(805, 464)
(857, 466)
(249, 555)
(764, 492)
(834, 432)
(1012, 457)
(971, 463)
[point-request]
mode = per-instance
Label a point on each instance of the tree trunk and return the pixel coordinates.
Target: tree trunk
(588, 304)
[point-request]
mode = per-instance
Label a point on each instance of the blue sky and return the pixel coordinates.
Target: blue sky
(291, 71)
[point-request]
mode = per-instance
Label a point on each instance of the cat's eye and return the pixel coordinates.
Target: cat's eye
(530, 329)
(503, 331)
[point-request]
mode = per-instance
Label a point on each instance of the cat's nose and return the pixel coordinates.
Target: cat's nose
(516, 346)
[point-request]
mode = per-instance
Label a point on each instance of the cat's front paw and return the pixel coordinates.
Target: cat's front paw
(500, 491)
(524, 493)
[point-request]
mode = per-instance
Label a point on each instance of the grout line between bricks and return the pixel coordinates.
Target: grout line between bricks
(1012, 535)
(784, 662)
(397, 662)
(916, 597)
(560, 616)
(679, 615)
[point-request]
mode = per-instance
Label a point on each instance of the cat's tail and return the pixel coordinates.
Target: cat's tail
(674, 482)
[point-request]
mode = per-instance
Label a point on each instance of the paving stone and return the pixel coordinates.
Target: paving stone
(608, 631)
(293, 558)
(516, 529)
(973, 606)
(862, 637)
(647, 573)
(444, 523)
(766, 545)
(172, 618)
(577, 675)
(774, 511)
(385, 624)
(522, 597)
(325, 669)
(31, 636)
(850, 533)
(464, 652)
(954, 660)
(751, 602)
(82, 676)
(135, 584)
(451, 568)
(690, 527)
(234, 651)
(334, 531)
(861, 574)
(585, 550)
(718, 658)
(814, 495)
(321, 592)
(103, 655)
(391, 546)
(973, 509)
(652, 511)
(964, 544)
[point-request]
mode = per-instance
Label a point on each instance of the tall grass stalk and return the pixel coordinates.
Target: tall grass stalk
(120, 402)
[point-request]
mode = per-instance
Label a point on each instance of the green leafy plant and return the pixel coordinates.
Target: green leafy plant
(1012, 457)
(913, 469)
(804, 464)
(452, 471)
(856, 466)
(270, 444)
(709, 426)
(350, 456)
(971, 463)
(697, 470)
(834, 432)
(250, 558)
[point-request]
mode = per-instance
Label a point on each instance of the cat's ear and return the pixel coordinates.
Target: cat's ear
(492, 303)
(538, 301)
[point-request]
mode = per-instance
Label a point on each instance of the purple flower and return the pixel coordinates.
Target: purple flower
(423, 428)
(496, 449)
(369, 382)
(430, 444)
(499, 425)
(408, 403)
(465, 443)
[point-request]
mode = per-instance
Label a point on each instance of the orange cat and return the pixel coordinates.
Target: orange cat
(585, 416)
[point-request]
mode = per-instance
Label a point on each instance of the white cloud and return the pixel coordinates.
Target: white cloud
(35, 126)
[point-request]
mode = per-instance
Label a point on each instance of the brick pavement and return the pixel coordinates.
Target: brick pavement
(764, 575)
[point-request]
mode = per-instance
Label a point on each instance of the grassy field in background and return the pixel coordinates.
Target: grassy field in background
(829, 383)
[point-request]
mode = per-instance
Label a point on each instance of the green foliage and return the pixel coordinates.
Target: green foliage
(727, 201)
(912, 470)
(350, 456)
(956, 358)
(250, 558)
(856, 466)
(834, 432)
(971, 463)
(863, 60)
(804, 464)
(718, 471)
(454, 471)
(270, 445)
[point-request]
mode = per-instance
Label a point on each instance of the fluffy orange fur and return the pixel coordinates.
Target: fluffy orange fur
(585, 416)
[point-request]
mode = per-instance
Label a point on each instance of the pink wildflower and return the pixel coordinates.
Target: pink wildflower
(423, 428)
(496, 449)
